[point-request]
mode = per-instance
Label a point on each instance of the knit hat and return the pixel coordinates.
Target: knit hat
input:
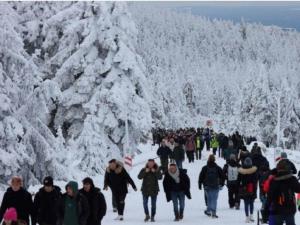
(48, 181)
(283, 155)
(248, 162)
(10, 214)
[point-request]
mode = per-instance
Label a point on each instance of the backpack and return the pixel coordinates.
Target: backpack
(232, 173)
(212, 177)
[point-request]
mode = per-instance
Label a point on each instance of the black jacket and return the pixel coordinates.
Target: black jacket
(203, 175)
(260, 162)
(281, 196)
(171, 186)
(46, 204)
(164, 152)
(83, 209)
(97, 205)
(248, 176)
(117, 180)
(21, 201)
(150, 179)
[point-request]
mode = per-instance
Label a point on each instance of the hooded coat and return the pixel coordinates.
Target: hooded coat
(65, 210)
(247, 178)
(150, 179)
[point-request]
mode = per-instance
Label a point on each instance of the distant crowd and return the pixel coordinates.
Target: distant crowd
(246, 174)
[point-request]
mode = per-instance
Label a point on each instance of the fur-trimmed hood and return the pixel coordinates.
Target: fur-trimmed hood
(247, 171)
(118, 169)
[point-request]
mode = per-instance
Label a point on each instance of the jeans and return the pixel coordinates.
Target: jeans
(280, 219)
(212, 195)
(178, 197)
(153, 204)
(179, 163)
(249, 206)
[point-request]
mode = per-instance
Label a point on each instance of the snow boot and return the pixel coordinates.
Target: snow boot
(147, 218)
(207, 213)
(237, 206)
(115, 210)
(176, 217)
(152, 219)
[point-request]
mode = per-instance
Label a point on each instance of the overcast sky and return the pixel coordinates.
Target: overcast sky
(283, 14)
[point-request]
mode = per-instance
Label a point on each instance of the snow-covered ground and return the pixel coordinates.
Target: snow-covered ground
(194, 211)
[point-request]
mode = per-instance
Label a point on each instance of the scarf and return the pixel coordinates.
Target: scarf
(175, 176)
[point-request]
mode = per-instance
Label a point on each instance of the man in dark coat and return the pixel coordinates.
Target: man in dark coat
(178, 155)
(281, 196)
(74, 207)
(150, 188)
(289, 162)
(164, 153)
(117, 178)
(20, 199)
(96, 200)
(46, 202)
(176, 186)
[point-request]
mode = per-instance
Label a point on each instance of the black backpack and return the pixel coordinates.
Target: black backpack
(212, 179)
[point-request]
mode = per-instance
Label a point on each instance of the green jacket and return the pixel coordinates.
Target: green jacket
(150, 179)
(214, 143)
(178, 153)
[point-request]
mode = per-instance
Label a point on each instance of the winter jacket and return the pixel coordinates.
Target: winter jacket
(150, 179)
(117, 180)
(20, 200)
(164, 152)
(97, 205)
(291, 165)
(46, 204)
(243, 155)
(178, 153)
(281, 196)
(170, 185)
(199, 142)
(223, 141)
(82, 211)
(247, 181)
(229, 151)
(211, 180)
(190, 144)
(214, 143)
(260, 162)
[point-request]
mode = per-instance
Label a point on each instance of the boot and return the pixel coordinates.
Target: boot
(176, 217)
(237, 206)
(152, 219)
(181, 216)
(115, 210)
(147, 218)
(252, 219)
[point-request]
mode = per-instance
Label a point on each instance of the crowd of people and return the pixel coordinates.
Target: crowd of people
(246, 174)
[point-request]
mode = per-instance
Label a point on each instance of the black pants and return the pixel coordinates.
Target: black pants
(190, 156)
(207, 145)
(215, 151)
(198, 153)
(233, 195)
(120, 200)
(114, 203)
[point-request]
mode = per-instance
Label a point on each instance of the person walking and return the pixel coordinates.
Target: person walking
(20, 199)
(214, 143)
(190, 148)
(178, 155)
(46, 202)
(96, 201)
(176, 185)
(247, 181)
(212, 178)
(117, 178)
(281, 200)
(199, 144)
(164, 153)
(73, 208)
(150, 188)
(231, 173)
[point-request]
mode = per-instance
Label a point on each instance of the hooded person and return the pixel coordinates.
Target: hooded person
(74, 207)
(46, 202)
(230, 171)
(96, 200)
(281, 200)
(20, 199)
(150, 175)
(247, 180)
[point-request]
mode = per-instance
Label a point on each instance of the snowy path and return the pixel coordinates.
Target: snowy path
(195, 207)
